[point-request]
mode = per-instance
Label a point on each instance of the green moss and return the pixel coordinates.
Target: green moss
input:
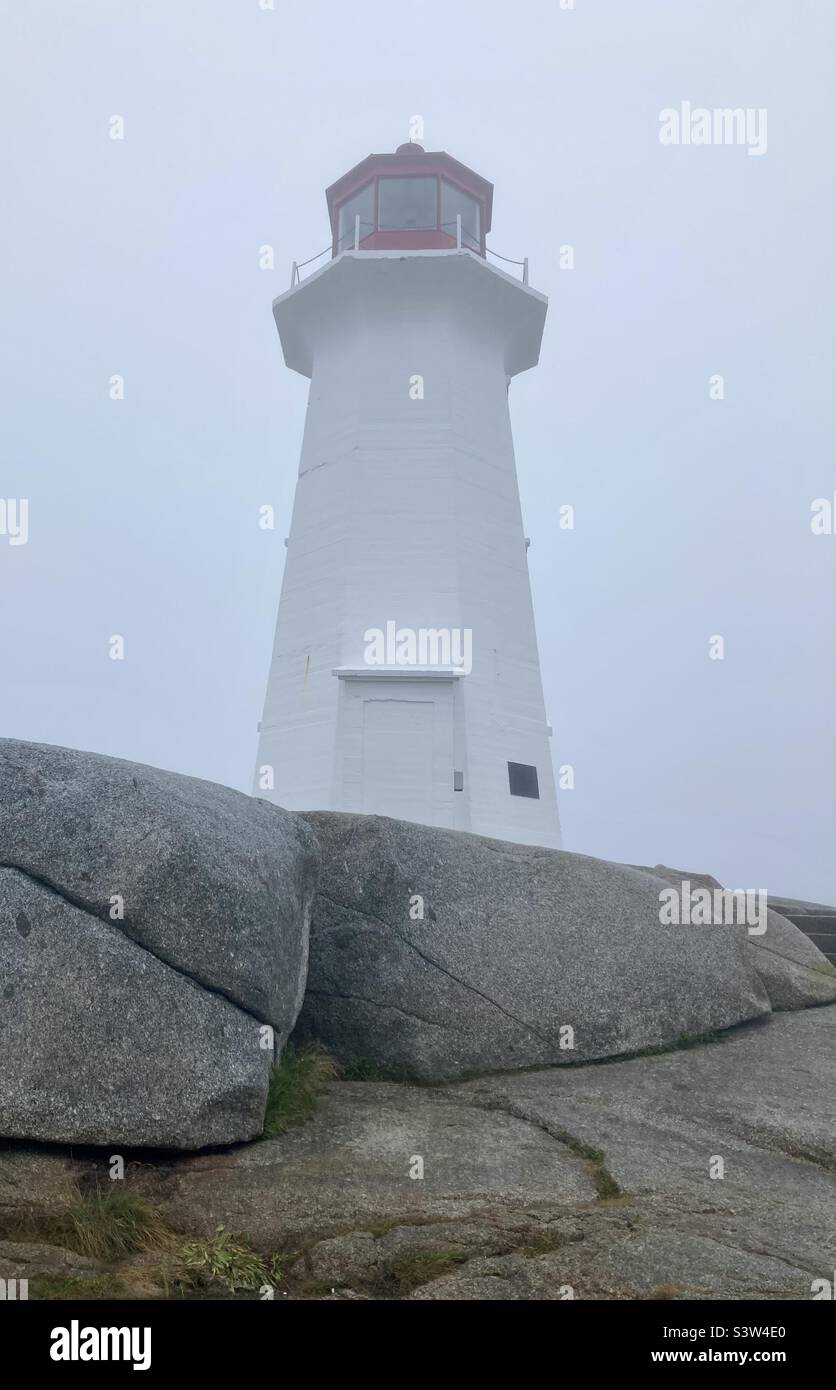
(544, 1244)
(606, 1187)
(107, 1286)
(408, 1274)
(605, 1184)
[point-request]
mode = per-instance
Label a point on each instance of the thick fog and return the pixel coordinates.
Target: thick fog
(141, 258)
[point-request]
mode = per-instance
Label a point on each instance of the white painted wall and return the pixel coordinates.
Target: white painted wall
(408, 510)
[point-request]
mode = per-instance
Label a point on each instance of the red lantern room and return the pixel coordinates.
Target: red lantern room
(411, 200)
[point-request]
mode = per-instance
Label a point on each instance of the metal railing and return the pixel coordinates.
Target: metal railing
(297, 265)
(463, 241)
(507, 259)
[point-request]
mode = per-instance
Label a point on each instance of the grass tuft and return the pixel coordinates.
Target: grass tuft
(408, 1274)
(363, 1069)
(107, 1225)
(295, 1084)
(231, 1261)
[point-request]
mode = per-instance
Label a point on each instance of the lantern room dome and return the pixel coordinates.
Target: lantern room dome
(411, 200)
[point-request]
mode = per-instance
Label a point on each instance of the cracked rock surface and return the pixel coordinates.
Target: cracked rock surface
(437, 955)
(142, 1026)
(597, 1178)
(592, 1182)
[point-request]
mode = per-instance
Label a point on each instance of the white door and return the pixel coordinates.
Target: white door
(398, 759)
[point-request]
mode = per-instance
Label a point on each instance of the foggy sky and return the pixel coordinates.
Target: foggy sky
(141, 257)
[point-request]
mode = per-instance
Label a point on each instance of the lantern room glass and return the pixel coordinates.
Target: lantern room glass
(407, 205)
(415, 203)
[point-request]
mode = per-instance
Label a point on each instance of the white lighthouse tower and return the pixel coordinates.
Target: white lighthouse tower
(405, 679)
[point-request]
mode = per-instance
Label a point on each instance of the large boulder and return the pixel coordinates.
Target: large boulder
(215, 883)
(794, 972)
(435, 954)
(103, 1043)
(151, 926)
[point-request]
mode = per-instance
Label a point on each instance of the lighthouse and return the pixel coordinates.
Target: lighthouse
(405, 677)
